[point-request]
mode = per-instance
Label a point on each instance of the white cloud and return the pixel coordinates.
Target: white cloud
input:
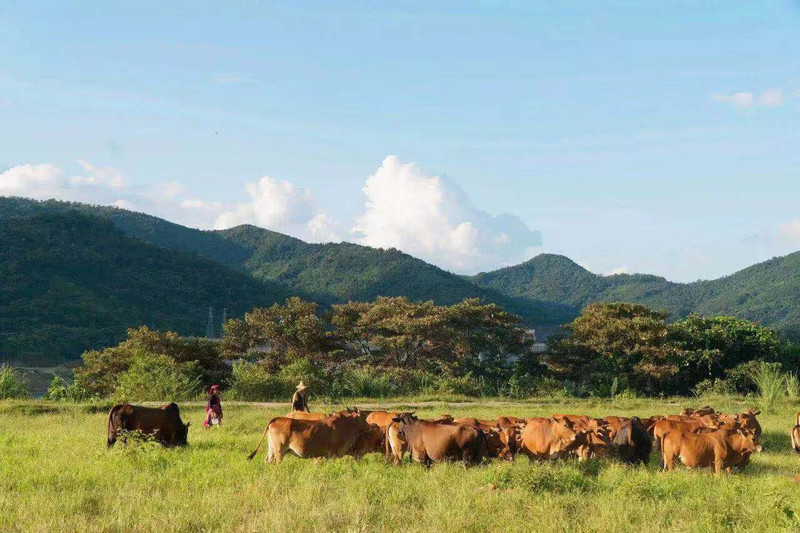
(790, 231)
(746, 100)
(107, 176)
(280, 206)
(32, 181)
(124, 204)
(431, 217)
(618, 270)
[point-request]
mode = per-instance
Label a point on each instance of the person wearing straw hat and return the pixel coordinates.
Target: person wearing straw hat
(299, 399)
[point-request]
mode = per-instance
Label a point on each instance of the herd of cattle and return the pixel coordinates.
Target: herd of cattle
(699, 438)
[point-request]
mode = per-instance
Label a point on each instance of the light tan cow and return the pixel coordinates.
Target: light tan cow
(720, 449)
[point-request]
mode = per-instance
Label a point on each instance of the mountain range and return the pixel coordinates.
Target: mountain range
(75, 276)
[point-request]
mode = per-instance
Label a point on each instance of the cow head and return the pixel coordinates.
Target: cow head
(182, 434)
(748, 421)
(566, 437)
(749, 442)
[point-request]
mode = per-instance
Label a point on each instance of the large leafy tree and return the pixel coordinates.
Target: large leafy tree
(709, 346)
(630, 341)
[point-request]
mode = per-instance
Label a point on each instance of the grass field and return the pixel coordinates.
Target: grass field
(57, 475)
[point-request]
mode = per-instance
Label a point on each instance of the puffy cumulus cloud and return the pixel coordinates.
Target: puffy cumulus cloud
(32, 181)
(281, 206)
(745, 100)
(432, 218)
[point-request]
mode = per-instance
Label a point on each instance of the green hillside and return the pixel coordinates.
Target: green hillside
(767, 293)
(69, 282)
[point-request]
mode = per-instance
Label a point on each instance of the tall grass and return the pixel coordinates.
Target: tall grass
(12, 383)
(62, 478)
(771, 385)
(792, 386)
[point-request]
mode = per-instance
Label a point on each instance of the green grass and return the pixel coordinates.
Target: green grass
(57, 475)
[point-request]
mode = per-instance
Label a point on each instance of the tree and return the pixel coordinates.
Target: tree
(710, 346)
(630, 340)
(284, 332)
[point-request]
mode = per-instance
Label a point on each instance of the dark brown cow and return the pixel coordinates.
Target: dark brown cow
(722, 449)
(632, 443)
(343, 433)
(705, 410)
(163, 423)
(431, 442)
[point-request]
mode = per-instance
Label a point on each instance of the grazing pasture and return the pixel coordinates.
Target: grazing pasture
(56, 474)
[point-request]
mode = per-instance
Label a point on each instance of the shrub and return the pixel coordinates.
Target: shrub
(253, 382)
(315, 377)
(156, 377)
(771, 384)
(792, 385)
(465, 385)
(12, 383)
(368, 383)
(61, 391)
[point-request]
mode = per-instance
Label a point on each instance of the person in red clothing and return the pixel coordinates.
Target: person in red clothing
(213, 408)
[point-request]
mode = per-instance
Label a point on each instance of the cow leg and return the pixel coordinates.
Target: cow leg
(718, 465)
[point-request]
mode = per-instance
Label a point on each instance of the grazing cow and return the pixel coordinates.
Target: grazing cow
(705, 410)
(548, 438)
(431, 442)
(343, 433)
(614, 424)
(720, 449)
(749, 422)
(632, 443)
(501, 436)
(663, 427)
(796, 434)
(303, 415)
(163, 423)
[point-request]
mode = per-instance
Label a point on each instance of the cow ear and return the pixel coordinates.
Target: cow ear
(188, 424)
(756, 413)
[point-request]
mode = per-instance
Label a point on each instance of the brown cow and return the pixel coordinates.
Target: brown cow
(343, 433)
(381, 419)
(749, 422)
(431, 442)
(796, 434)
(705, 410)
(501, 436)
(548, 438)
(163, 423)
(663, 427)
(720, 449)
(303, 415)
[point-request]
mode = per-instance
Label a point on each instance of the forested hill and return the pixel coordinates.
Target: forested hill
(76, 275)
(767, 293)
(69, 282)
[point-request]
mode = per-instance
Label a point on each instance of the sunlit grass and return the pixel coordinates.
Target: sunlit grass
(57, 475)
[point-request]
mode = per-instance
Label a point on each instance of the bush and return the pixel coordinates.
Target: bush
(771, 384)
(61, 391)
(367, 383)
(252, 382)
(12, 383)
(464, 385)
(156, 377)
(792, 385)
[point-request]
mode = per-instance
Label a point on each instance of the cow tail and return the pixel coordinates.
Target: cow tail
(386, 444)
(258, 447)
(112, 430)
(663, 453)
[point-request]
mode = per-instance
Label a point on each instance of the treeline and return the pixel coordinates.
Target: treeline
(393, 346)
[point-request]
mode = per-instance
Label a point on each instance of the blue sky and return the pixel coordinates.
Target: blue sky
(630, 136)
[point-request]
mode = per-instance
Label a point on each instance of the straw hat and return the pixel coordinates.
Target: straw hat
(302, 386)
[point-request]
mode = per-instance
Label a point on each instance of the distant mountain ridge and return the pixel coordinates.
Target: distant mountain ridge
(267, 266)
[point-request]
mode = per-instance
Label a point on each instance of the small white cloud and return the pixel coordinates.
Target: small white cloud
(104, 176)
(280, 206)
(771, 98)
(124, 204)
(790, 231)
(166, 190)
(619, 270)
(745, 100)
(202, 205)
(431, 217)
